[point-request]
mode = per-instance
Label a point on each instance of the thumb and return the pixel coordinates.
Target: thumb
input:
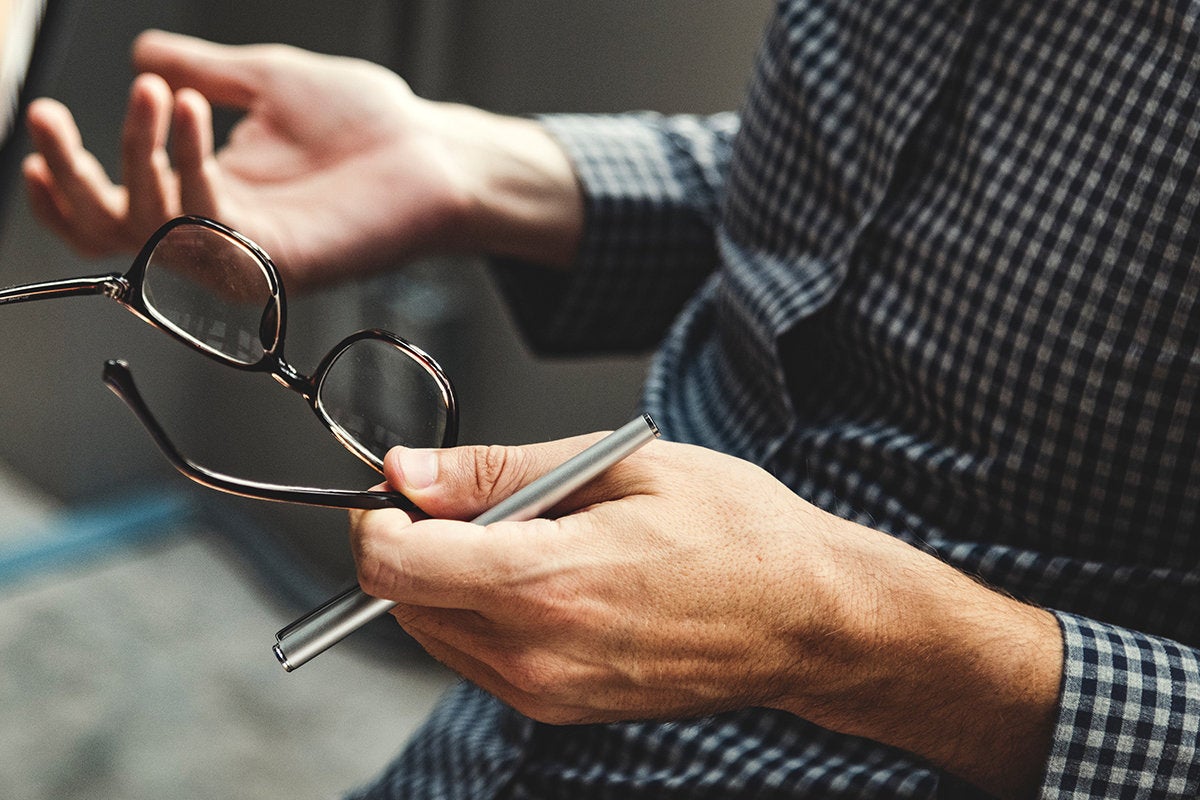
(463, 482)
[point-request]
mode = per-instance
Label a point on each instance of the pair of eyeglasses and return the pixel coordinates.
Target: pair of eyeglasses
(219, 293)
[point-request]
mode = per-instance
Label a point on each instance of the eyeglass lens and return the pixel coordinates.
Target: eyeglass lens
(377, 396)
(216, 292)
(212, 290)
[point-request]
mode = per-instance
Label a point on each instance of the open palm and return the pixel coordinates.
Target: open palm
(336, 168)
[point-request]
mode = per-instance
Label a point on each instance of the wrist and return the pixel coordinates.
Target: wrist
(515, 193)
(931, 661)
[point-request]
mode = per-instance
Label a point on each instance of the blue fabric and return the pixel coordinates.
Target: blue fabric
(940, 276)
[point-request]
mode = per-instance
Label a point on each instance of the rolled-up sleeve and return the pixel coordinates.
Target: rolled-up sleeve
(652, 189)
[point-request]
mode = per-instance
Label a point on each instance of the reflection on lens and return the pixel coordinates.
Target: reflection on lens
(378, 396)
(211, 290)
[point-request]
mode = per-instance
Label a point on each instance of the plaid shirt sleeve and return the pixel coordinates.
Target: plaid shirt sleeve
(1129, 718)
(652, 187)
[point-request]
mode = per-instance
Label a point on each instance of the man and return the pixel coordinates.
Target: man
(929, 300)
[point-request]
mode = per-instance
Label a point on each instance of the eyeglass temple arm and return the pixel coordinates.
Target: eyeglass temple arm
(119, 379)
(113, 285)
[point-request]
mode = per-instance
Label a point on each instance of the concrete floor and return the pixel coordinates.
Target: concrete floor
(144, 670)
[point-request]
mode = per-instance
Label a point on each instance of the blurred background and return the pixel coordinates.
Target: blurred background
(137, 611)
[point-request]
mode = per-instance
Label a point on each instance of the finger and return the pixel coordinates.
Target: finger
(444, 624)
(88, 202)
(447, 563)
(497, 644)
(228, 75)
(193, 154)
(473, 669)
(39, 187)
(463, 482)
(372, 539)
(532, 680)
(146, 167)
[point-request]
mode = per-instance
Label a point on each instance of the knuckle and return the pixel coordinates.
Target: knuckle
(369, 573)
(535, 682)
(496, 468)
(560, 715)
(271, 53)
(376, 575)
(373, 576)
(547, 713)
(538, 678)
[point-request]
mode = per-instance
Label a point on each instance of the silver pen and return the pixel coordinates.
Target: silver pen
(338, 617)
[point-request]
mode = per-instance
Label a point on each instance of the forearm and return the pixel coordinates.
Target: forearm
(942, 667)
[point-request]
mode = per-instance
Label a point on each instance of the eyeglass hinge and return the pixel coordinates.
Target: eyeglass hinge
(116, 286)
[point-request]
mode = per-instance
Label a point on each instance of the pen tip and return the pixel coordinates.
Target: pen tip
(653, 426)
(282, 658)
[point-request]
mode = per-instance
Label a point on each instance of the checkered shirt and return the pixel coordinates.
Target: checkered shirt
(940, 275)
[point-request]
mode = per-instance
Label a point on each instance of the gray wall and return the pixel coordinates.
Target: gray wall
(61, 427)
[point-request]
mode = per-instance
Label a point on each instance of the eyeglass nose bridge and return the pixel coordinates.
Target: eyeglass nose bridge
(289, 377)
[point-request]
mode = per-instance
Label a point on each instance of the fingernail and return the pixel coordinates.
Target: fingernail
(419, 468)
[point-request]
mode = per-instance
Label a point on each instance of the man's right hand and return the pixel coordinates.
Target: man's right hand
(336, 168)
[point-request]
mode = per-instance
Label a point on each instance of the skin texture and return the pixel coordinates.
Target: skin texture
(685, 582)
(680, 583)
(378, 177)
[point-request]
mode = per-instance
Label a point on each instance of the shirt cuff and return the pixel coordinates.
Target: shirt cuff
(1129, 716)
(651, 188)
